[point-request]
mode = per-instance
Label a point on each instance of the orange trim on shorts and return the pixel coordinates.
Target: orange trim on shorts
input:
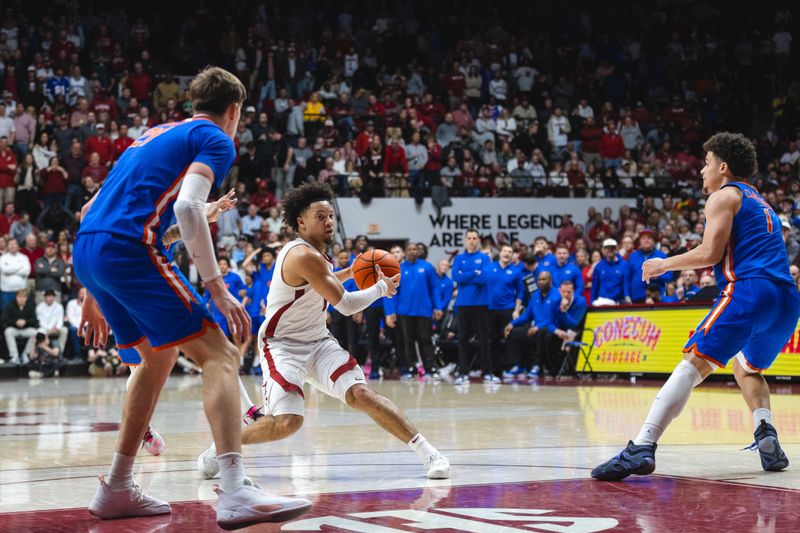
(721, 305)
(751, 367)
(203, 331)
(129, 364)
(132, 344)
(693, 349)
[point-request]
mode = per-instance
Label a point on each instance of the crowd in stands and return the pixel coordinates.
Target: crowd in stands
(454, 99)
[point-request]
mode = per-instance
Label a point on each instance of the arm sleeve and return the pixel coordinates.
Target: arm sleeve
(353, 302)
(190, 211)
(574, 316)
(458, 275)
(525, 317)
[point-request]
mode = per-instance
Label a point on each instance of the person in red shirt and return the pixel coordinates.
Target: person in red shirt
(8, 217)
(105, 103)
(33, 252)
(101, 144)
(611, 147)
(364, 138)
(8, 168)
(263, 198)
(375, 106)
(95, 170)
(395, 167)
(455, 82)
(122, 142)
(140, 83)
(54, 183)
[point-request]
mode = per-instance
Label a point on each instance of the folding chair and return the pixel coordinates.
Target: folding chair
(579, 348)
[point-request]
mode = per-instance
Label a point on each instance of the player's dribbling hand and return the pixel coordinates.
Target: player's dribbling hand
(391, 283)
(652, 268)
(93, 326)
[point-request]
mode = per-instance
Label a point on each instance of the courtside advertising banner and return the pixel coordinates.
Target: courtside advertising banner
(443, 230)
(651, 341)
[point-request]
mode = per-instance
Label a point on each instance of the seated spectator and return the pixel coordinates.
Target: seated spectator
(687, 285)
(252, 221)
(50, 270)
(19, 320)
(568, 318)
(44, 361)
(105, 362)
(50, 315)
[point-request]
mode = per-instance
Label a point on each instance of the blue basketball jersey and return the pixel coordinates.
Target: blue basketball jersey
(136, 199)
(756, 248)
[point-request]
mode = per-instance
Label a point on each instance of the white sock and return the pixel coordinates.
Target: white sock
(421, 447)
(120, 477)
(244, 398)
(669, 402)
(762, 413)
(231, 471)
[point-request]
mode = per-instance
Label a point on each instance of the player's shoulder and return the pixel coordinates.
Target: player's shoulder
(303, 253)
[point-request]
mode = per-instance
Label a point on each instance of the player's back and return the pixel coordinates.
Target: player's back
(756, 248)
(293, 313)
(136, 199)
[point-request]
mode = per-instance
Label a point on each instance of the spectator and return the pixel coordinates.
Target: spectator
(417, 157)
(792, 244)
(74, 311)
(45, 360)
(395, 168)
(611, 277)
(50, 316)
(612, 147)
(50, 270)
(19, 320)
(8, 170)
(470, 269)
(252, 222)
(122, 142)
(444, 284)
(558, 130)
(25, 129)
(54, 183)
(447, 131)
(167, 89)
(14, 271)
(101, 144)
(95, 169)
(687, 285)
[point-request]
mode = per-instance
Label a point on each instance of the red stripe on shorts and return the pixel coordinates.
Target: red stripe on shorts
(349, 365)
(287, 385)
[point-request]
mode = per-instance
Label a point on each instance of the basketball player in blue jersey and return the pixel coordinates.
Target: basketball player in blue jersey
(118, 256)
(751, 321)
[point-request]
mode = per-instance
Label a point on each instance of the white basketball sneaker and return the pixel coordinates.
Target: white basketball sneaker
(248, 505)
(153, 443)
(438, 466)
(207, 463)
(109, 503)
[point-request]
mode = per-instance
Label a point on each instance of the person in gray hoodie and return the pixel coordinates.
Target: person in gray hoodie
(417, 157)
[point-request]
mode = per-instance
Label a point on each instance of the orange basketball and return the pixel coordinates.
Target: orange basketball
(364, 267)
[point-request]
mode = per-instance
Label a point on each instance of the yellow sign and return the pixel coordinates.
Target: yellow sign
(651, 341)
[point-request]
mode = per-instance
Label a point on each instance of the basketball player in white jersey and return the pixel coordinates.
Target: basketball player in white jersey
(297, 346)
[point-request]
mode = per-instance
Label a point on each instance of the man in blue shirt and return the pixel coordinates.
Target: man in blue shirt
(260, 265)
(611, 276)
(444, 285)
(564, 269)
(415, 305)
(505, 297)
(647, 250)
(527, 268)
(472, 307)
(530, 331)
(235, 286)
(567, 318)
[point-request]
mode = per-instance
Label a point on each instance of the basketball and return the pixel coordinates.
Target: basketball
(364, 267)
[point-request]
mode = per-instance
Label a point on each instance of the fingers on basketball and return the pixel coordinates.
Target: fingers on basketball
(369, 266)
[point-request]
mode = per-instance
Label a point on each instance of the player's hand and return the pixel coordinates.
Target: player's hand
(93, 326)
(652, 268)
(173, 234)
(233, 311)
(391, 283)
(226, 203)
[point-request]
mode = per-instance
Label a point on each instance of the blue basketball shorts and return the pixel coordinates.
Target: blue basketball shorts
(141, 294)
(754, 316)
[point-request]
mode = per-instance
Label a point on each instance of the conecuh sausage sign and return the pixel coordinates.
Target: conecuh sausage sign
(443, 230)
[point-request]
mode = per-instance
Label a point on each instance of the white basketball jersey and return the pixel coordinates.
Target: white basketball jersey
(294, 313)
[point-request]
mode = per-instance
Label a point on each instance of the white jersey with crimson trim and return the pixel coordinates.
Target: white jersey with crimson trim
(294, 313)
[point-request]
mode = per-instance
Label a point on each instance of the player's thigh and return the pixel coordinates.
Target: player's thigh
(775, 328)
(284, 376)
(333, 370)
(727, 327)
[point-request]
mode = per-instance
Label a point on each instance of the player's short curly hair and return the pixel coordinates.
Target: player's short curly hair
(297, 200)
(736, 150)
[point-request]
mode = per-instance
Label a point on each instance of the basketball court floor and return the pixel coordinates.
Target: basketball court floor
(521, 456)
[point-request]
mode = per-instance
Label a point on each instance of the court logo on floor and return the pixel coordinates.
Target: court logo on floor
(476, 519)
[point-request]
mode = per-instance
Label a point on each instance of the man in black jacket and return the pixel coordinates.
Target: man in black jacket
(19, 320)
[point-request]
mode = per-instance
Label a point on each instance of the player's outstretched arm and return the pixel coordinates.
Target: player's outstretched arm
(721, 207)
(213, 211)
